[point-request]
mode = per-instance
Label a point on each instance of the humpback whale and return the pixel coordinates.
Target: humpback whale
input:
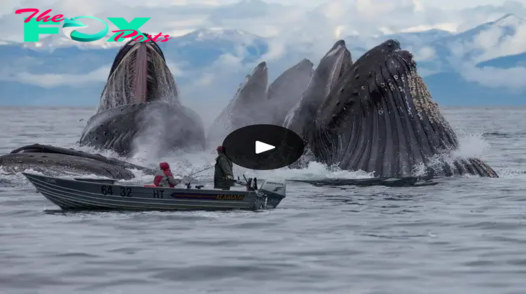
(140, 105)
(246, 106)
(140, 102)
(256, 102)
(379, 117)
(300, 118)
(285, 91)
(49, 159)
(374, 115)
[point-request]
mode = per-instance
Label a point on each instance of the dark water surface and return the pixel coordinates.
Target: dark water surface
(465, 235)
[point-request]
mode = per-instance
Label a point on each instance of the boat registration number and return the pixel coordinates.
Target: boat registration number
(122, 191)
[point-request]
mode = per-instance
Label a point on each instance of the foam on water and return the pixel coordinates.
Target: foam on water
(184, 164)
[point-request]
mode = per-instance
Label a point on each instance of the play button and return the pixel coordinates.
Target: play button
(263, 147)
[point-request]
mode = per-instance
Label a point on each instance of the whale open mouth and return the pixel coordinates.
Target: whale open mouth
(140, 74)
(381, 118)
(141, 99)
(145, 72)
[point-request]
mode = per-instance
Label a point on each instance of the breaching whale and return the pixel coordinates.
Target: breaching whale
(140, 105)
(300, 118)
(255, 102)
(245, 108)
(140, 102)
(286, 90)
(381, 118)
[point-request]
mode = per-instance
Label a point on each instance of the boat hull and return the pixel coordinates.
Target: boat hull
(77, 194)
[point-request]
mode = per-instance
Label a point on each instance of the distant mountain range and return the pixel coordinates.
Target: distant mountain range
(468, 68)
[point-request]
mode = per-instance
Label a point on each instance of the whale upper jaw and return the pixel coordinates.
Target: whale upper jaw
(261, 67)
(253, 89)
(259, 76)
(139, 74)
(338, 61)
(304, 64)
(328, 72)
(287, 89)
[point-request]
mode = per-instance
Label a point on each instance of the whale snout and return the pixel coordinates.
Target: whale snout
(339, 44)
(260, 69)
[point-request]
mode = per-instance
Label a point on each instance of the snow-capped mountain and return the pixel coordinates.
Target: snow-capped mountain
(487, 41)
(458, 68)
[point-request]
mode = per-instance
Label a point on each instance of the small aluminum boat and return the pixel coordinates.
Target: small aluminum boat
(105, 194)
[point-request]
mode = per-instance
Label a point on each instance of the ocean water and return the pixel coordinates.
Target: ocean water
(465, 235)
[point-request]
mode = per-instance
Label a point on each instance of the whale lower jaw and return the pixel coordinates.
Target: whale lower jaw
(155, 126)
(56, 160)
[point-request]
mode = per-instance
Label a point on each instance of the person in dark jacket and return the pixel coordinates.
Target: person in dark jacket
(223, 175)
(164, 177)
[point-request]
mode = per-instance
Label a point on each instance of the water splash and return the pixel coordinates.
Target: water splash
(471, 145)
(184, 163)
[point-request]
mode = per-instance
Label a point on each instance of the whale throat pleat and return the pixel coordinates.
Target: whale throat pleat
(380, 118)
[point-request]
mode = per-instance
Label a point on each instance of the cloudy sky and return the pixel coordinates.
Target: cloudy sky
(338, 16)
(312, 25)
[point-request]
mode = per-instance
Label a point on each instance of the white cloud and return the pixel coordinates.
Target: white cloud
(450, 27)
(506, 37)
(175, 69)
(336, 18)
(309, 28)
(496, 43)
(50, 80)
(511, 78)
(425, 53)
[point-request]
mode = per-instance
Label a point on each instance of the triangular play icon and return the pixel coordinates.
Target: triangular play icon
(263, 147)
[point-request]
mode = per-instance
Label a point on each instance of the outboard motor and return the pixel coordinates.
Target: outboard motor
(275, 191)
